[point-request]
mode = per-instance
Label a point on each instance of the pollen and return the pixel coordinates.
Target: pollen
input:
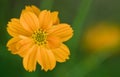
(39, 37)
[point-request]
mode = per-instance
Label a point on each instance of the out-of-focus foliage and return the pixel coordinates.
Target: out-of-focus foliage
(81, 14)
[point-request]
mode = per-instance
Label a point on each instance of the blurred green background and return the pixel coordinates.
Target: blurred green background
(79, 14)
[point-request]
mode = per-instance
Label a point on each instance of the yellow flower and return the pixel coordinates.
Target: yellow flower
(103, 35)
(38, 37)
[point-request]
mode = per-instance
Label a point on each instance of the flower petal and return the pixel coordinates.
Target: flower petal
(12, 44)
(46, 58)
(62, 53)
(15, 28)
(23, 46)
(53, 42)
(29, 61)
(64, 31)
(29, 21)
(55, 18)
(45, 19)
(36, 10)
(33, 9)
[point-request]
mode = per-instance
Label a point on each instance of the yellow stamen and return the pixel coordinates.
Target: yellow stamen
(39, 37)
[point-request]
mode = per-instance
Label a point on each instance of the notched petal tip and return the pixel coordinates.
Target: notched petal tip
(63, 31)
(62, 53)
(46, 59)
(29, 21)
(31, 8)
(29, 61)
(45, 19)
(55, 18)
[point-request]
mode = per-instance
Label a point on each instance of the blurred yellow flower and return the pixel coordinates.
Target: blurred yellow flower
(103, 35)
(38, 37)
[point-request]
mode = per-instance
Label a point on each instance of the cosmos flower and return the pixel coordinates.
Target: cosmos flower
(103, 35)
(38, 36)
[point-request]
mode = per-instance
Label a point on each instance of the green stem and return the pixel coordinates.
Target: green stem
(77, 25)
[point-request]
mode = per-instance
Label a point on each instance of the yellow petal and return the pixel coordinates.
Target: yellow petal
(45, 19)
(36, 10)
(24, 49)
(12, 45)
(29, 21)
(55, 18)
(23, 46)
(53, 42)
(46, 58)
(15, 28)
(22, 42)
(62, 53)
(32, 8)
(63, 31)
(29, 61)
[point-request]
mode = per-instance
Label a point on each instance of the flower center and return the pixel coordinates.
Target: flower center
(39, 37)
